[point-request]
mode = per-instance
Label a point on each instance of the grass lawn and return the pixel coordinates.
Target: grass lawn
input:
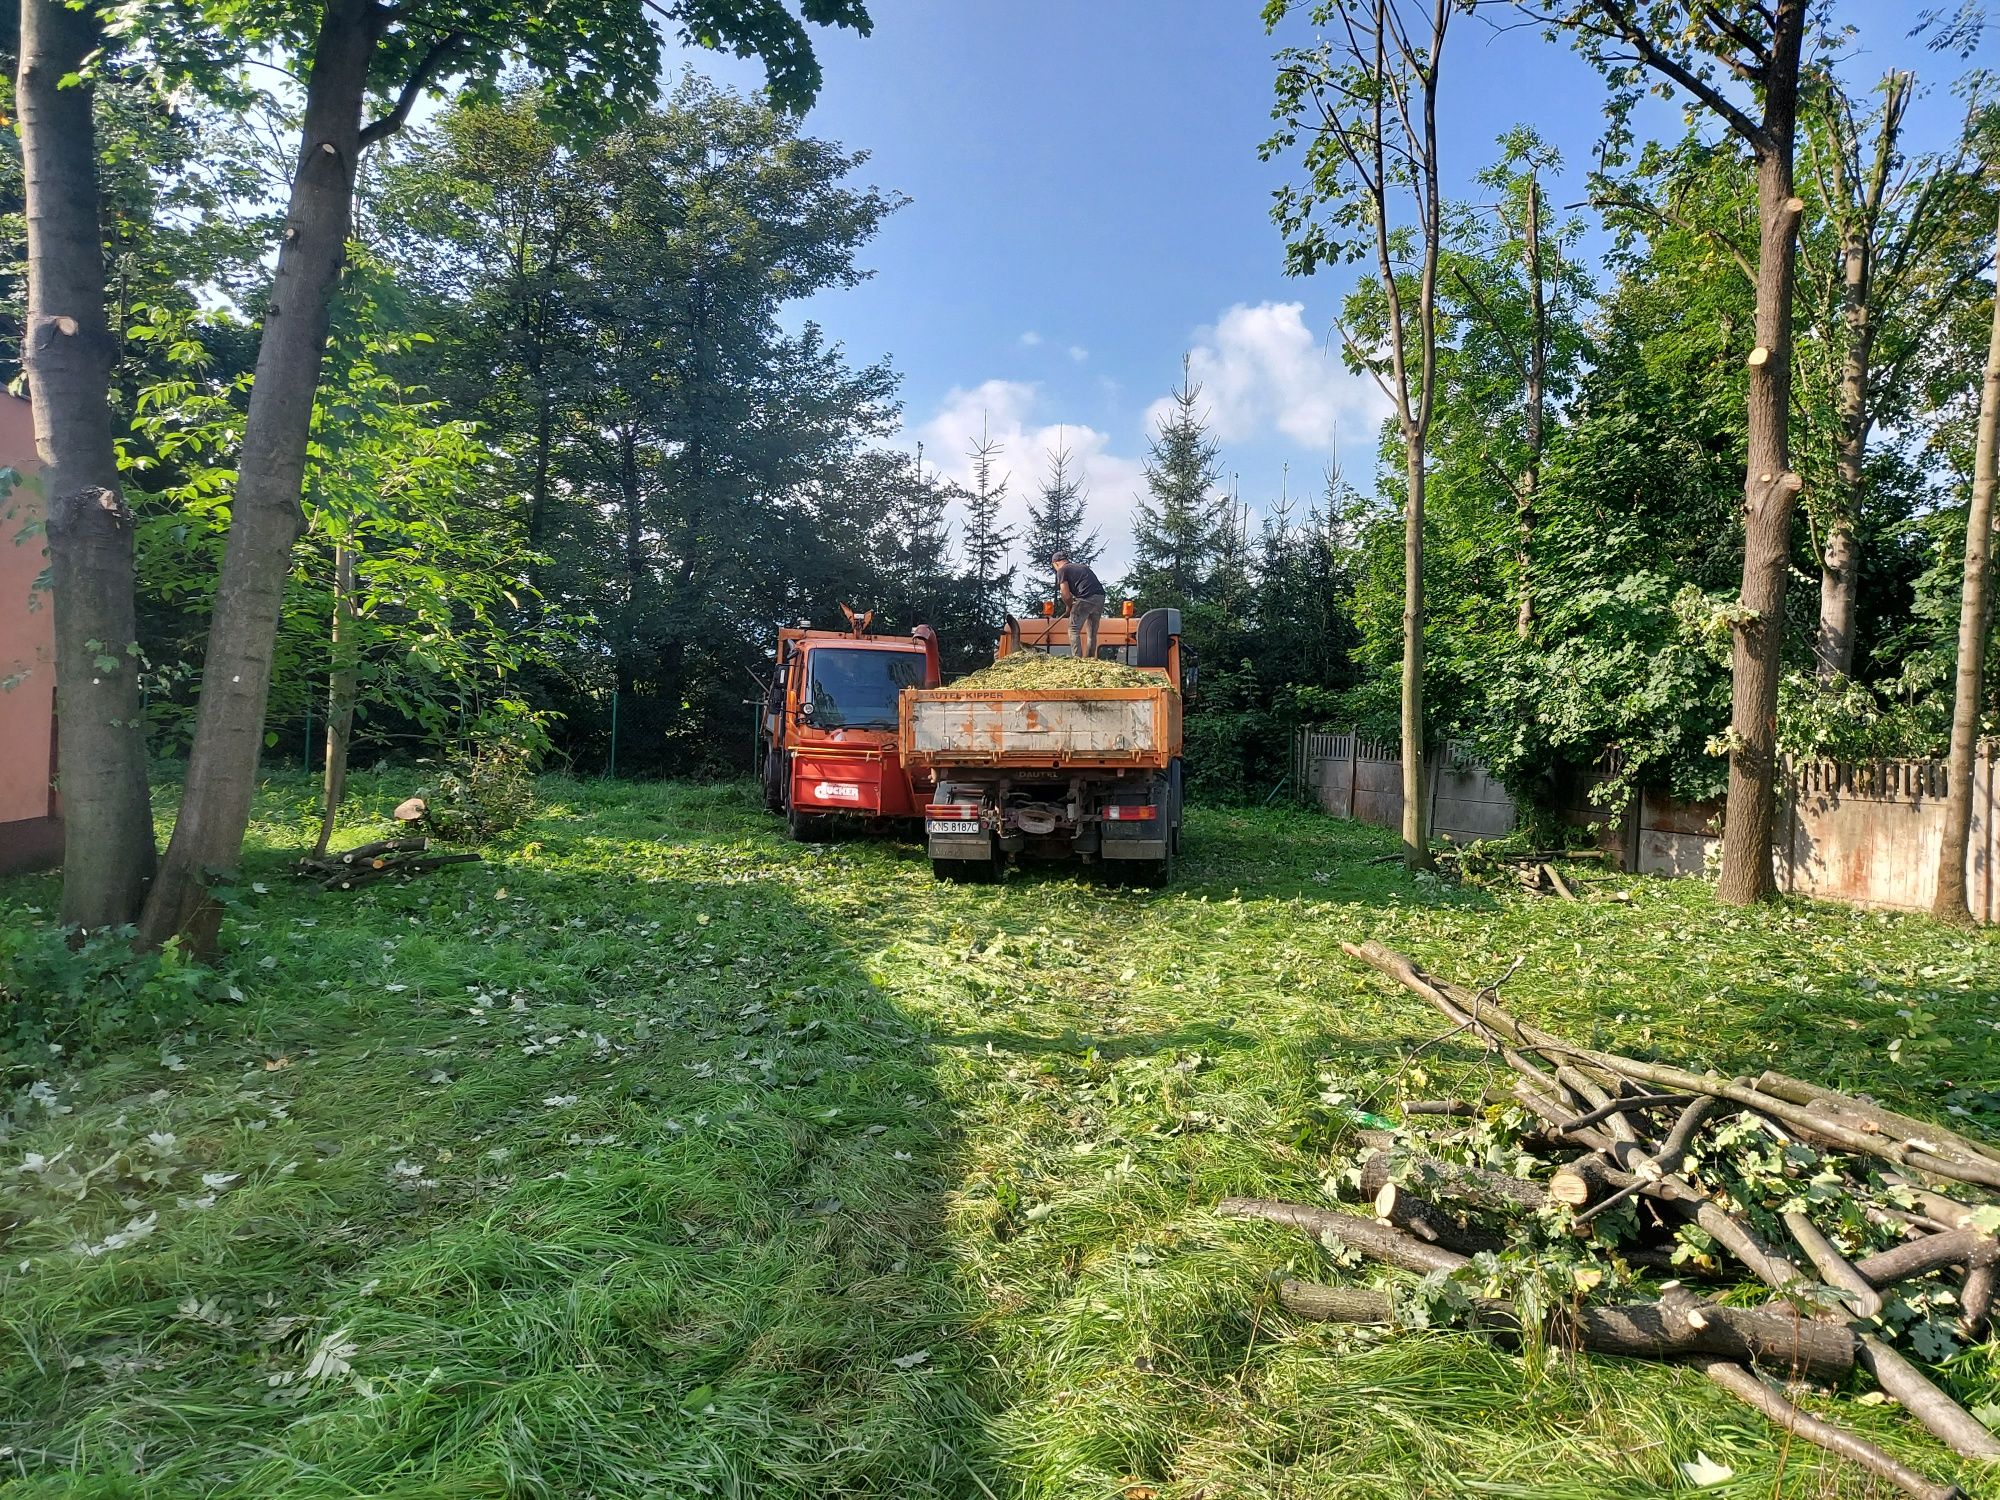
(660, 1157)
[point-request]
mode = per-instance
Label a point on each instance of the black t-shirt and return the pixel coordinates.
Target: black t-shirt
(1082, 582)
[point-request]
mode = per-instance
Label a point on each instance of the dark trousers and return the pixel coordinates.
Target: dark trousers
(1083, 617)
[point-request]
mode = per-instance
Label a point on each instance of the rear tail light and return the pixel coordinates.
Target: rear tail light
(1117, 814)
(951, 809)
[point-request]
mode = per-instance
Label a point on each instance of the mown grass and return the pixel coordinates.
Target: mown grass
(658, 1156)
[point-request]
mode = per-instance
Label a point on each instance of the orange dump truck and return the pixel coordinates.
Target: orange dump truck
(829, 725)
(1090, 773)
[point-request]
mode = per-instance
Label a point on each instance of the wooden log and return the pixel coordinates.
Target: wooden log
(1403, 1209)
(1376, 1241)
(1459, 1109)
(1479, 1186)
(1833, 1267)
(363, 852)
(1807, 1349)
(1975, 1300)
(1949, 1422)
(357, 876)
(1754, 1390)
(1585, 1180)
(1557, 883)
(1955, 1247)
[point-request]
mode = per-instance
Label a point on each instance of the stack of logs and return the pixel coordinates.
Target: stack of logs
(377, 861)
(1627, 1128)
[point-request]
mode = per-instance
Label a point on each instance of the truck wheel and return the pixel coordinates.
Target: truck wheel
(806, 828)
(774, 781)
(1154, 872)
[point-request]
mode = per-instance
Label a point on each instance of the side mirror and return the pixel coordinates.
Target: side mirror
(806, 712)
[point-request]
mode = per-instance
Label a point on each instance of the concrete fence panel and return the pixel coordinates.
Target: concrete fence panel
(1866, 833)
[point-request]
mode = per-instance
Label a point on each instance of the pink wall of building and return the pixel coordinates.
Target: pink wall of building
(30, 832)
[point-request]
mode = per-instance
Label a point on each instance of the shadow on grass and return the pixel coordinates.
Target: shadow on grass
(536, 1181)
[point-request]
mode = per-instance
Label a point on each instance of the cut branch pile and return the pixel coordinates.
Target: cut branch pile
(369, 863)
(1482, 862)
(1865, 1222)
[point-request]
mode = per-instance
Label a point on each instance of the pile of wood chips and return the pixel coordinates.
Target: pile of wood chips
(1035, 671)
(1623, 1170)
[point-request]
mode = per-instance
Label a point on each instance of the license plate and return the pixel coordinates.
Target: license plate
(952, 825)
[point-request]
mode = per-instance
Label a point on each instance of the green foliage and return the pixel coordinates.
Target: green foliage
(1846, 720)
(486, 791)
(68, 999)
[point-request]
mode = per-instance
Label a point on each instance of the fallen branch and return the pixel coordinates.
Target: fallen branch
(1956, 1247)
(1949, 1422)
(1377, 1241)
(1833, 1267)
(381, 868)
(1636, 1330)
(1754, 1390)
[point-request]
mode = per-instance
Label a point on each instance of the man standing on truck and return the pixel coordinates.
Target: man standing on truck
(1084, 595)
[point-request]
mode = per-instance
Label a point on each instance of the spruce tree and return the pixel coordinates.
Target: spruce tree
(987, 578)
(1055, 524)
(916, 545)
(1181, 529)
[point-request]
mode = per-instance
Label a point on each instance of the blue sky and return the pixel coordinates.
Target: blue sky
(1087, 205)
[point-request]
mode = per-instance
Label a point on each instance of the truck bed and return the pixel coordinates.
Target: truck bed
(1046, 729)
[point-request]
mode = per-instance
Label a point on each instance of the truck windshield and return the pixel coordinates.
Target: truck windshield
(857, 689)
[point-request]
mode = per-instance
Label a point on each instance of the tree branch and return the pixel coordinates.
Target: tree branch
(1633, 33)
(428, 68)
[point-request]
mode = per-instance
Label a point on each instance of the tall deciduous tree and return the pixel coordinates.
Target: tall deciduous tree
(599, 58)
(1897, 258)
(108, 854)
(1975, 619)
(1366, 98)
(1686, 45)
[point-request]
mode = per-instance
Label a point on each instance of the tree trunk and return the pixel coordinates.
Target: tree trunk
(266, 517)
(1416, 810)
(1974, 617)
(1770, 489)
(108, 852)
(1841, 556)
(1538, 364)
(341, 689)
(635, 565)
(538, 494)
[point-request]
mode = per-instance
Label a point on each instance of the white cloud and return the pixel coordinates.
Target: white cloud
(1262, 372)
(1010, 412)
(1261, 368)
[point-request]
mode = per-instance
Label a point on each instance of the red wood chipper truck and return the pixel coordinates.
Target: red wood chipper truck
(829, 726)
(1078, 772)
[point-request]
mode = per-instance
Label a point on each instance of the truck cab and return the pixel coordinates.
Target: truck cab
(830, 725)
